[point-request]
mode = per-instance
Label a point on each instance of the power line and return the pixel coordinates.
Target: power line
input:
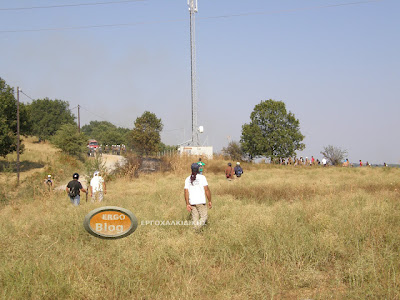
(201, 18)
(290, 10)
(100, 116)
(164, 131)
(91, 26)
(70, 5)
(170, 130)
(27, 95)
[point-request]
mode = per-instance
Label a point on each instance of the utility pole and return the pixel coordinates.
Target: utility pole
(192, 10)
(17, 135)
(79, 119)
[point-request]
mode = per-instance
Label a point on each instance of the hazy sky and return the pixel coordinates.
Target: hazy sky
(337, 68)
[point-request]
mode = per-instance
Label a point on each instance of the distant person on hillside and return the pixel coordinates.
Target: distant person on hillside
(238, 170)
(48, 182)
(312, 162)
(346, 163)
(324, 162)
(196, 190)
(74, 188)
(361, 164)
(229, 171)
(201, 166)
(97, 187)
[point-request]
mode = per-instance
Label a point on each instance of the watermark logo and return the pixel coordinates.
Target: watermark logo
(110, 222)
(170, 223)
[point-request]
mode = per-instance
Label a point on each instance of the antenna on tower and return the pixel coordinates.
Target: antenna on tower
(192, 10)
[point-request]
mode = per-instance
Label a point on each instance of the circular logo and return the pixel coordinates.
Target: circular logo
(110, 222)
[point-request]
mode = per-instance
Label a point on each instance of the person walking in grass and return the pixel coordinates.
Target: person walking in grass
(196, 190)
(48, 182)
(74, 187)
(238, 170)
(324, 162)
(97, 187)
(201, 166)
(229, 171)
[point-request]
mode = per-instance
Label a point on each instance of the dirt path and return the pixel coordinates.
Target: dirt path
(111, 161)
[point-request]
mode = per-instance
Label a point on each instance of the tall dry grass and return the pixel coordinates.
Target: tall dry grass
(276, 233)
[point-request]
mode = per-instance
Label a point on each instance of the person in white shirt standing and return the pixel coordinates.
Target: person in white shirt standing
(196, 190)
(97, 187)
(324, 162)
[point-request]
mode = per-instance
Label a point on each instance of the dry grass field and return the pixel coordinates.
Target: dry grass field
(277, 233)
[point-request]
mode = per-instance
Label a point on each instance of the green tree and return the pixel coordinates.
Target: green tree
(234, 151)
(8, 120)
(145, 137)
(47, 116)
(166, 148)
(273, 132)
(334, 155)
(69, 140)
(106, 133)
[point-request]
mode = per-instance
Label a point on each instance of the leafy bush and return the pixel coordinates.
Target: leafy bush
(70, 141)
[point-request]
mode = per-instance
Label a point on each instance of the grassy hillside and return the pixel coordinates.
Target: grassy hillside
(277, 233)
(37, 161)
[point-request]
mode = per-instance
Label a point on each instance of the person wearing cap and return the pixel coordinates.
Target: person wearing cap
(74, 187)
(196, 190)
(97, 187)
(229, 171)
(201, 166)
(48, 182)
(238, 170)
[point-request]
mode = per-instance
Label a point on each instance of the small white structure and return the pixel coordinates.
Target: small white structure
(197, 151)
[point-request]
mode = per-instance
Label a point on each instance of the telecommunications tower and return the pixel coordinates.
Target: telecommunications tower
(195, 131)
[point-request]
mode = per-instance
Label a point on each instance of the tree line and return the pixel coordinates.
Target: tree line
(272, 132)
(53, 120)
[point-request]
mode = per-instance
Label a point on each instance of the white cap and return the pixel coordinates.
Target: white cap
(48, 175)
(238, 163)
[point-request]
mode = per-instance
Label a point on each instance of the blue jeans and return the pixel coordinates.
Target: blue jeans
(75, 200)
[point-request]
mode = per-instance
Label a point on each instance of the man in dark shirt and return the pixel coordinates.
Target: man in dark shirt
(73, 189)
(238, 170)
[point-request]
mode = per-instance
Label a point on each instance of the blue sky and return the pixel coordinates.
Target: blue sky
(337, 68)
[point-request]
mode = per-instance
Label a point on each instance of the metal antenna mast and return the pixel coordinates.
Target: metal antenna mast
(193, 9)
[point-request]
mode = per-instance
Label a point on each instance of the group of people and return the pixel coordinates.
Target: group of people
(346, 163)
(299, 161)
(231, 172)
(196, 191)
(97, 188)
(115, 149)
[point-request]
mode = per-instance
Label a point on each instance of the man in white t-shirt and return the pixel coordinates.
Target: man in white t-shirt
(196, 190)
(97, 187)
(324, 162)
